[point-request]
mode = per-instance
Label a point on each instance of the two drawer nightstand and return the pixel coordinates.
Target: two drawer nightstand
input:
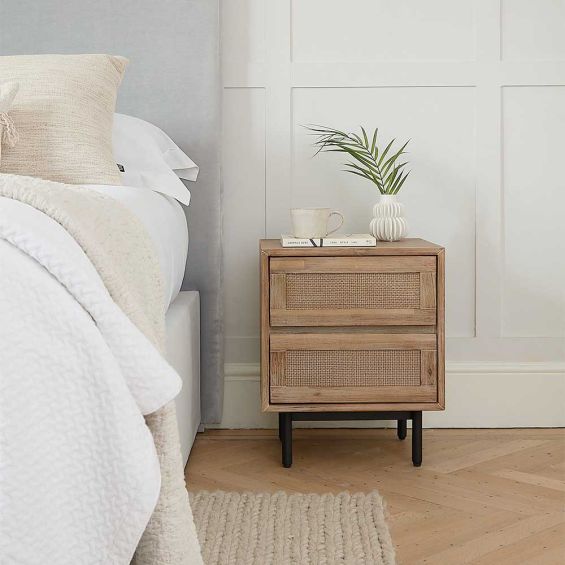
(352, 333)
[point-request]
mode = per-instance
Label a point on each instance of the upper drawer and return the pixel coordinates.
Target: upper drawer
(353, 291)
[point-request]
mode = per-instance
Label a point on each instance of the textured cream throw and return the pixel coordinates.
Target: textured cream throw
(118, 246)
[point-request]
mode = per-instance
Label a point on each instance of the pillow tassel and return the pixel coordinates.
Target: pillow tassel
(9, 133)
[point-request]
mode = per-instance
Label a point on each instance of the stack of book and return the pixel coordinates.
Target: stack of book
(346, 240)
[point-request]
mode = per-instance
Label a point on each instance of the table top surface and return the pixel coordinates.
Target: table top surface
(408, 246)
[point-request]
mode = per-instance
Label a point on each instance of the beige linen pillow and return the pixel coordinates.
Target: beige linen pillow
(8, 132)
(63, 115)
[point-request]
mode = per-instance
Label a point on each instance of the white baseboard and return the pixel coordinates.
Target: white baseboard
(478, 395)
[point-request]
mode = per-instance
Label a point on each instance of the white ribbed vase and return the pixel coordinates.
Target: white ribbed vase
(388, 223)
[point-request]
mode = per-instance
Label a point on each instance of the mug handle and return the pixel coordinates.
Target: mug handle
(335, 213)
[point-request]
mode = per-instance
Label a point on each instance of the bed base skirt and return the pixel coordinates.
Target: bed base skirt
(183, 353)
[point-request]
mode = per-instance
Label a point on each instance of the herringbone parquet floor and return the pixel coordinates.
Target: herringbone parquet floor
(487, 497)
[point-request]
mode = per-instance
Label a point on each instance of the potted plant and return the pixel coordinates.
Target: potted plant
(380, 166)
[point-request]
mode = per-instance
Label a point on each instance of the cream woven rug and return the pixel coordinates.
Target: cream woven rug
(292, 529)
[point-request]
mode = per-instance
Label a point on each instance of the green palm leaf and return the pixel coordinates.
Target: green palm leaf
(379, 167)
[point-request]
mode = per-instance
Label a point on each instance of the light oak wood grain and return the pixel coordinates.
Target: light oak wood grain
(440, 278)
(408, 246)
(480, 497)
(264, 313)
(347, 341)
(396, 264)
(278, 292)
(428, 290)
(352, 317)
(347, 278)
(356, 329)
(366, 406)
(346, 394)
(277, 368)
(429, 367)
(341, 324)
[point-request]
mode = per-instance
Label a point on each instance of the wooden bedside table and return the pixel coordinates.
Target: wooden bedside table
(352, 333)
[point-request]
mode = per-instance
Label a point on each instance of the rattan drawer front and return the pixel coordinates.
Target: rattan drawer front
(353, 368)
(350, 368)
(353, 291)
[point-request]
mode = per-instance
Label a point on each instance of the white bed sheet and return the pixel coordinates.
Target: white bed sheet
(165, 221)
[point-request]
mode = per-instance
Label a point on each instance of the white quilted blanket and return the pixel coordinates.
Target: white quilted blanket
(79, 475)
(84, 477)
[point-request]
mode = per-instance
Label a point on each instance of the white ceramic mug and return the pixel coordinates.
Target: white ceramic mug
(313, 222)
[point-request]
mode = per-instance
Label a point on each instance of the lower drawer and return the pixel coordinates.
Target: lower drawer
(352, 367)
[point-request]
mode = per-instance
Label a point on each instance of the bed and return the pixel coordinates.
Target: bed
(100, 357)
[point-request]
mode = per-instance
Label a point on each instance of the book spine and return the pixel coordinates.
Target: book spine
(349, 243)
(300, 243)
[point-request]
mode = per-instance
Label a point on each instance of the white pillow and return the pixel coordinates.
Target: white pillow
(150, 158)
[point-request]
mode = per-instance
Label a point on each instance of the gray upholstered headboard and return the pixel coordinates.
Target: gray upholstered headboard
(172, 81)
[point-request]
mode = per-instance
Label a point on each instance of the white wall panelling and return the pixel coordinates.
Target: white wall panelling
(479, 87)
(534, 211)
(382, 30)
(533, 30)
(244, 216)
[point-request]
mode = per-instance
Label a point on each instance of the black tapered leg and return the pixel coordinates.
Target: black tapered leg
(401, 429)
(280, 425)
(417, 438)
(286, 433)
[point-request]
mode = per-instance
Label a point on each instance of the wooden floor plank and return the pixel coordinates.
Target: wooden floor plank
(541, 548)
(499, 450)
(529, 478)
(481, 496)
(481, 546)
